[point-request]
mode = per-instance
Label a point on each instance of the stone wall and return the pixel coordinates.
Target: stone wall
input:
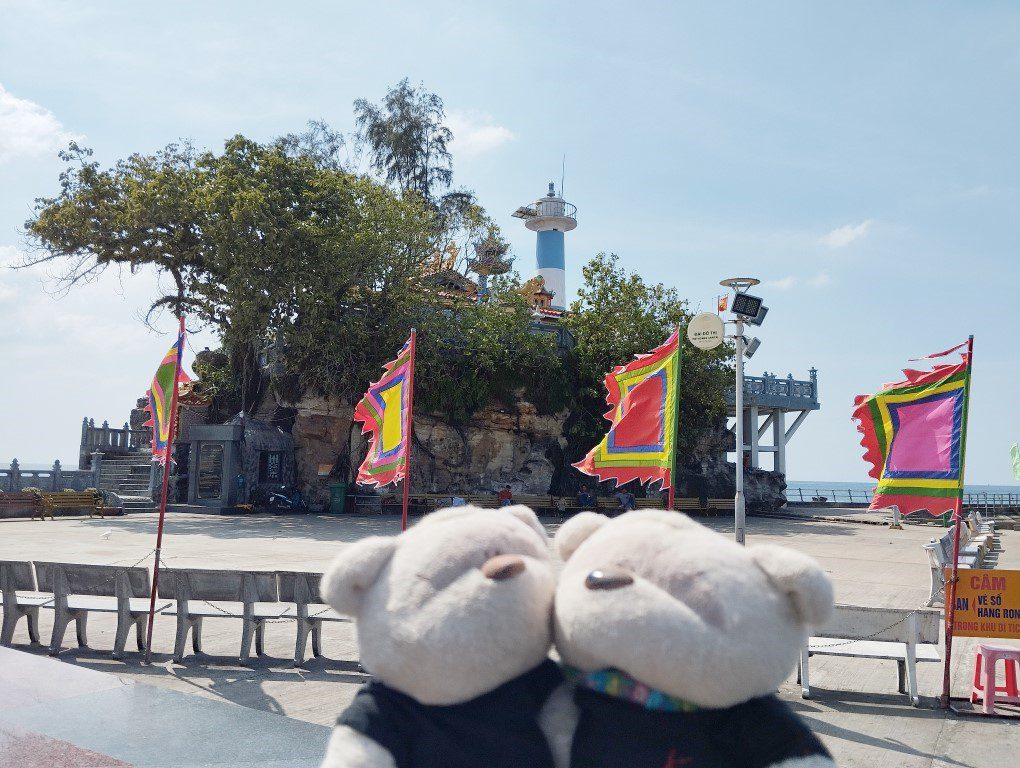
(498, 445)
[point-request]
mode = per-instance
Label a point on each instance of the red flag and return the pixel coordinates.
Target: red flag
(724, 302)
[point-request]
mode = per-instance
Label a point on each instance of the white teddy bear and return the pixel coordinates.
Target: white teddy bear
(677, 639)
(454, 621)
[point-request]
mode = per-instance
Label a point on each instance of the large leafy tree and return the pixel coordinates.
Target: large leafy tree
(618, 315)
(260, 241)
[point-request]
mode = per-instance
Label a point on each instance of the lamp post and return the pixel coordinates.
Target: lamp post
(742, 310)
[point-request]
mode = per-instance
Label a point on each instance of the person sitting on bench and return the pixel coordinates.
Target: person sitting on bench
(585, 500)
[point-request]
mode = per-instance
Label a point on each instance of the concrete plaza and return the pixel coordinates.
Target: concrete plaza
(855, 707)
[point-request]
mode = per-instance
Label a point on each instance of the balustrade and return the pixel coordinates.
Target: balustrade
(774, 390)
(112, 439)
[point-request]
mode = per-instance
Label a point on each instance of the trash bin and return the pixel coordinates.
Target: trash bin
(337, 498)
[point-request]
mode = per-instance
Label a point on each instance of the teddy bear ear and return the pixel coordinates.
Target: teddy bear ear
(578, 528)
(527, 516)
(353, 571)
(800, 577)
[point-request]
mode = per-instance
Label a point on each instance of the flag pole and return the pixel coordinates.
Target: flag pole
(166, 482)
(408, 425)
(671, 496)
(950, 588)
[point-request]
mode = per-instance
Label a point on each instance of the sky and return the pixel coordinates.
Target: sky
(860, 159)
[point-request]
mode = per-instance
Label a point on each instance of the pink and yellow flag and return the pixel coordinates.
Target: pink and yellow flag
(384, 414)
(643, 398)
(160, 396)
(914, 436)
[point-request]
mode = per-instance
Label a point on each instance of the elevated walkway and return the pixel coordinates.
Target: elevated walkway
(773, 398)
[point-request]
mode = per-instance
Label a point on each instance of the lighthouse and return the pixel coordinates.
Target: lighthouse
(550, 216)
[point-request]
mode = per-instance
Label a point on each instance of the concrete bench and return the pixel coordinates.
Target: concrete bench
(18, 503)
(907, 636)
(302, 589)
(196, 591)
(21, 597)
(89, 501)
(80, 589)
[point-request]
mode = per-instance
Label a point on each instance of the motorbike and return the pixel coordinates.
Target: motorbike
(278, 498)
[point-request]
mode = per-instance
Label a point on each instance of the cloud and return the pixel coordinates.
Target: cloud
(782, 284)
(27, 129)
(819, 280)
(841, 237)
(792, 281)
(475, 133)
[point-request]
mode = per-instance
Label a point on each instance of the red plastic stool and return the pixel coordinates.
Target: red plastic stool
(987, 655)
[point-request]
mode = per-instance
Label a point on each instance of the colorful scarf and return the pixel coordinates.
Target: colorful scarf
(620, 685)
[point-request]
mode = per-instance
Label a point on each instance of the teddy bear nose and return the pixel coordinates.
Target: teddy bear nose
(608, 578)
(502, 567)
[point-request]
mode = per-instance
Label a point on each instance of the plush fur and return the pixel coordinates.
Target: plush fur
(443, 614)
(705, 619)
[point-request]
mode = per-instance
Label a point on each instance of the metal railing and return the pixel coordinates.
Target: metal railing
(991, 502)
(546, 207)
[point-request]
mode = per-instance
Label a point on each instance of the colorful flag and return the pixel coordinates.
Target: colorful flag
(384, 413)
(1014, 454)
(160, 396)
(724, 302)
(914, 436)
(643, 397)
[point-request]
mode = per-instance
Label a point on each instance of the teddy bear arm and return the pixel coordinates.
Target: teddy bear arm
(558, 721)
(349, 748)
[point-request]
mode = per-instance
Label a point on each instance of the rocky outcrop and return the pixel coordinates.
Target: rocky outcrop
(499, 445)
(502, 444)
(715, 478)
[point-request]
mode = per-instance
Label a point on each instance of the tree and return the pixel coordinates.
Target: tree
(265, 242)
(408, 144)
(407, 139)
(618, 315)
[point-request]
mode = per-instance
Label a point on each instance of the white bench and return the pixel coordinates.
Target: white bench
(302, 589)
(196, 592)
(80, 589)
(21, 597)
(907, 636)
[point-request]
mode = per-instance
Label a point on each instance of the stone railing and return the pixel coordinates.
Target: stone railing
(775, 391)
(111, 440)
(14, 478)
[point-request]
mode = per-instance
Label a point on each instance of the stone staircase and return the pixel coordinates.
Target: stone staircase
(129, 479)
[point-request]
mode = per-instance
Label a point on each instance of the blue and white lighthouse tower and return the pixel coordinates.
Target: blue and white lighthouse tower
(551, 217)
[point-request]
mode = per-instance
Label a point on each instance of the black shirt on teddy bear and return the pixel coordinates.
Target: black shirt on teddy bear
(498, 729)
(613, 733)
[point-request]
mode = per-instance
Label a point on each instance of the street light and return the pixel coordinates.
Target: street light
(749, 309)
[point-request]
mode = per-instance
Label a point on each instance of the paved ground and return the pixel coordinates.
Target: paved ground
(855, 709)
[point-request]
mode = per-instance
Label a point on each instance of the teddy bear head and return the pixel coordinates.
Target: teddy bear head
(681, 608)
(452, 608)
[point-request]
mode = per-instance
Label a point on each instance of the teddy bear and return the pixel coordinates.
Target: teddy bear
(454, 622)
(676, 639)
